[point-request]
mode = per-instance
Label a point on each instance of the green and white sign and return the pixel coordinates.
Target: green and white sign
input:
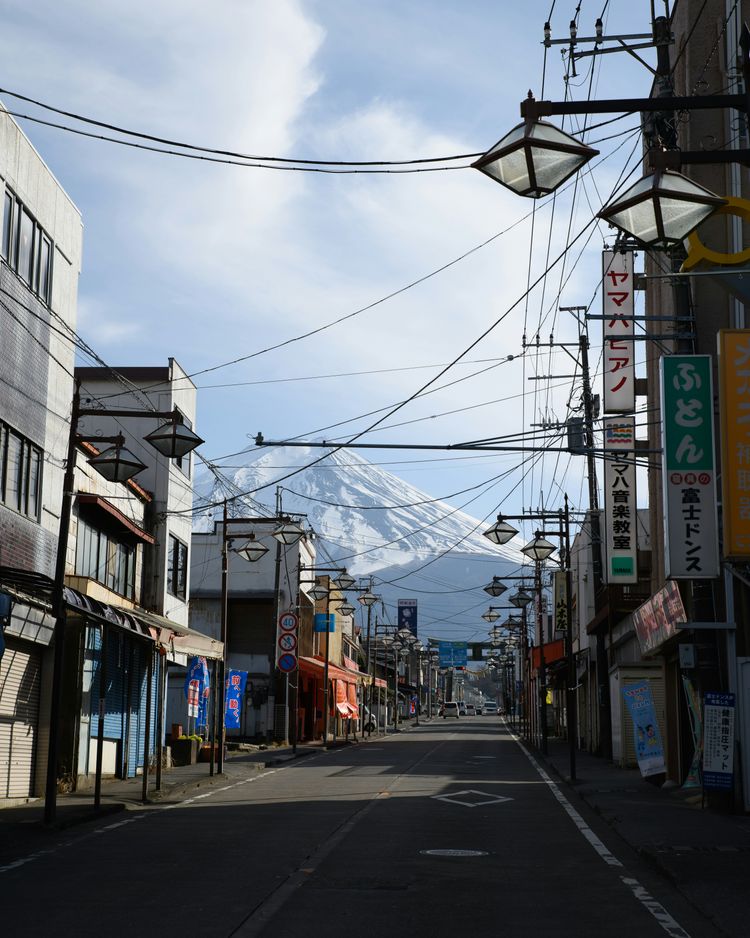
(620, 503)
(691, 531)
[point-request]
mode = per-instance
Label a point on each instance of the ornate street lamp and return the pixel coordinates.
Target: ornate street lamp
(539, 549)
(368, 598)
(288, 533)
(491, 615)
(116, 463)
(501, 532)
(174, 439)
(318, 591)
(346, 609)
(252, 550)
(344, 581)
(495, 588)
(661, 209)
(521, 598)
(534, 158)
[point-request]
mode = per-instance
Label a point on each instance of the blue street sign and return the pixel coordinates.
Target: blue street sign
(452, 654)
(324, 622)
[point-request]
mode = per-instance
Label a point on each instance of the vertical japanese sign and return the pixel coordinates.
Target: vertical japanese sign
(407, 614)
(718, 741)
(619, 361)
(561, 601)
(620, 505)
(649, 750)
(691, 533)
(734, 406)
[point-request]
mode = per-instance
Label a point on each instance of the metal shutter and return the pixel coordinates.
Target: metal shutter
(20, 673)
(656, 680)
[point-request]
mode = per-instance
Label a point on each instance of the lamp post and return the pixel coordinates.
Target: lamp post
(368, 600)
(172, 440)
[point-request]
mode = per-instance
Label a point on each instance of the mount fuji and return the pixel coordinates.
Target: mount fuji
(375, 524)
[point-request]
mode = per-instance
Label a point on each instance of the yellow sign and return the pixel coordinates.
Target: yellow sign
(699, 252)
(734, 407)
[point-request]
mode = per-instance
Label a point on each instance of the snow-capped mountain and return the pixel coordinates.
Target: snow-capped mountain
(374, 523)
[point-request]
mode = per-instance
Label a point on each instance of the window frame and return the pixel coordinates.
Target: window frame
(10, 247)
(177, 567)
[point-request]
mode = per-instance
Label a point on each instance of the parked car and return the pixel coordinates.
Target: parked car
(479, 709)
(450, 709)
(462, 708)
(470, 710)
(490, 708)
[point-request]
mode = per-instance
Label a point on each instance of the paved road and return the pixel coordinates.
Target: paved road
(342, 844)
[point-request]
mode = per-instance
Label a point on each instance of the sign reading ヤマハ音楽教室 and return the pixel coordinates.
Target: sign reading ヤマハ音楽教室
(620, 503)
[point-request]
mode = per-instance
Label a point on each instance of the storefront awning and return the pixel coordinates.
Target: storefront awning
(553, 651)
(179, 637)
(316, 666)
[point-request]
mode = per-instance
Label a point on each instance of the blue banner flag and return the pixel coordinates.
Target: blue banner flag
(235, 691)
(197, 689)
(649, 750)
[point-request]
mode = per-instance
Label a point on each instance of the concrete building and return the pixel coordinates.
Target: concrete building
(41, 262)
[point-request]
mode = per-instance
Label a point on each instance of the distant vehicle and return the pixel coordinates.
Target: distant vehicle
(470, 710)
(450, 709)
(490, 708)
(462, 708)
(480, 709)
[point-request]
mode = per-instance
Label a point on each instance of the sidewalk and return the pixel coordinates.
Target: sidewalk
(704, 852)
(22, 827)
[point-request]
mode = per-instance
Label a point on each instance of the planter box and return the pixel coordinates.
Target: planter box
(204, 753)
(184, 751)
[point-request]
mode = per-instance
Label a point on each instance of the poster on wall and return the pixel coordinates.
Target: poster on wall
(649, 750)
(718, 741)
(691, 527)
(620, 502)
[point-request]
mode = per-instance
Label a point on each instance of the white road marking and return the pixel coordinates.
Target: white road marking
(487, 796)
(656, 909)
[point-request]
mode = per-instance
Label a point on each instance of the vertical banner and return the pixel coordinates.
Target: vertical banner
(693, 779)
(691, 534)
(734, 407)
(620, 504)
(618, 359)
(407, 614)
(718, 741)
(561, 601)
(649, 750)
(235, 690)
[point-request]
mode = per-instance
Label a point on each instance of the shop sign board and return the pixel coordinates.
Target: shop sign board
(324, 622)
(618, 358)
(734, 407)
(561, 600)
(620, 502)
(659, 618)
(718, 741)
(691, 534)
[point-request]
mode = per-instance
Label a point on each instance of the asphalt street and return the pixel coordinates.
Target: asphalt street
(449, 829)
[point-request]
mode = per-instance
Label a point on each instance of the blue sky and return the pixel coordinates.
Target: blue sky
(207, 263)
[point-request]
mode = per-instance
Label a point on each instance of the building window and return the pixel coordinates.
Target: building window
(177, 561)
(26, 247)
(20, 473)
(102, 557)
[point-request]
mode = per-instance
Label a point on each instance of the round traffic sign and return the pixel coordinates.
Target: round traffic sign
(287, 662)
(288, 621)
(287, 641)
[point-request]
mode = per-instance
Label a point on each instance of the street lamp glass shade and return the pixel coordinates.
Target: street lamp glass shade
(117, 464)
(661, 209)
(491, 615)
(368, 598)
(520, 598)
(344, 581)
(534, 159)
(253, 550)
(174, 440)
(501, 532)
(319, 591)
(288, 533)
(538, 549)
(495, 588)
(346, 609)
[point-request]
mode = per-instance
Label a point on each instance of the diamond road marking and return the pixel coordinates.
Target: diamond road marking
(484, 798)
